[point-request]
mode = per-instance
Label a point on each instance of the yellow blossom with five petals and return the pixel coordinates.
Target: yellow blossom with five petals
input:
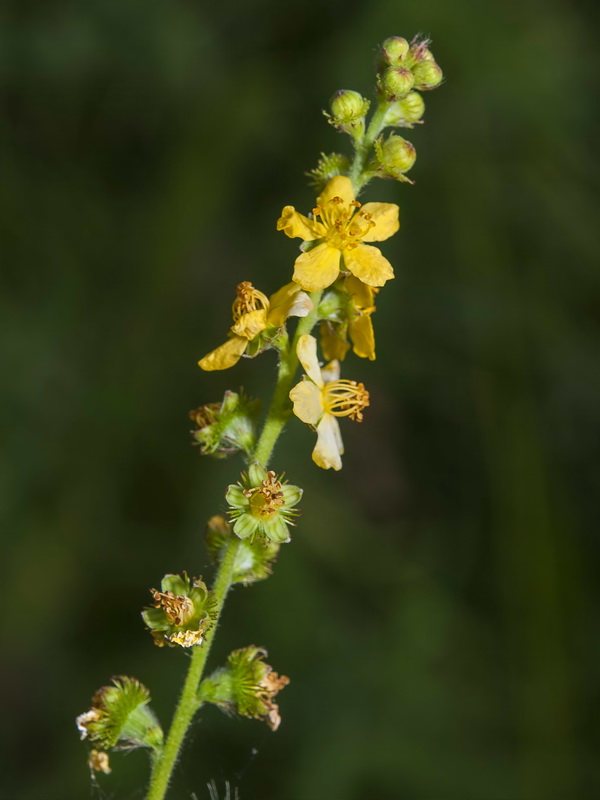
(337, 229)
(321, 397)
(253, 312)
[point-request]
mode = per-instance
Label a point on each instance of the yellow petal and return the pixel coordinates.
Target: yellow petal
(308, 402)
(251, 324)
(363, 296)
(340, 186)
(333, 344)
(328, 449)
(224, 356)
(294, 224)
(288, 301)
(318, 268)
(363, 337)
(385, 217)
(307, 353)
(367, 264)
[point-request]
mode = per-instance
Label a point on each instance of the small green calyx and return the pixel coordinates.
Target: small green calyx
(348, 111)
(328, 166)
(227, 427)
(120, 716)
(395, 156)
(182, 612)
(262, 505)
(246, 685)
(253, 560)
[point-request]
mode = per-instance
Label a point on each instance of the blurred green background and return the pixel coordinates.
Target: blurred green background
(436, 610)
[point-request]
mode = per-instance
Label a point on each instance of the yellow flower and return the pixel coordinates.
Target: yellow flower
(323, 397)
(252, 314)
(359, 326)
(338, 228)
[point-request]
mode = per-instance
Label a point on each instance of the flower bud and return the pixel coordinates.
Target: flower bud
(405, 112)
(395, 83)
(427, 75)
(246, 685)
(181, 612)
(253, 560)
(394, 50)
(120, 715)
(395, 156)
(348, 110)
(419, 51)
(261, 505)
(226, 427)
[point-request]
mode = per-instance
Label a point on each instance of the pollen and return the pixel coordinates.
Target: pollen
(186, 638)
(266, 499)
(248, 299)
(345, 398)
(178, 608)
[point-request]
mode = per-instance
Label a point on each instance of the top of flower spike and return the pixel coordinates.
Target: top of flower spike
(337, 230)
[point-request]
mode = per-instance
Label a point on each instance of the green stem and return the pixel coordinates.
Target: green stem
(188, 704)
(280, 410)
(363, 147)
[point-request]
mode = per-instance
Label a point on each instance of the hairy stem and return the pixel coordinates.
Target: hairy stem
(188, 704)
(277, 416)
(280, 409)
(363, 147)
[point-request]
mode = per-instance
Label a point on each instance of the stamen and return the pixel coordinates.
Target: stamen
(248, 299)
(178, 608)
(267, 499)
(345, 399)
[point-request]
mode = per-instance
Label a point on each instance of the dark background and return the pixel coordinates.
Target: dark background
(436, 610)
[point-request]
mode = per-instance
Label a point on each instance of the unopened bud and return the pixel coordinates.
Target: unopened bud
(395, 83)
(394, 50)
(406, 112)
(348, 110)
(395, 156)
(419, 51)
(427, 75)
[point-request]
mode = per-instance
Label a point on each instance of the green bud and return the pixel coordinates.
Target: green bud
(245, 685)
(394, 50)
(395, 156)
(120, 715)
(419, 51)
(405, 113)
(348, 111)
(226, 427)
(253, 560)
(427, 75)
(395, 83)
(261, 505)
(182, 612)
(327, 168)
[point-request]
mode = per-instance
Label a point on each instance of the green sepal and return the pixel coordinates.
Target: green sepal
(120, 716)
(246, 685)
(253, 559)
(228, 427)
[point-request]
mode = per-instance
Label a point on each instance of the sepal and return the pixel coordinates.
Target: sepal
(227, 427)
(120, 716)
(253, 560)
(246, 685)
